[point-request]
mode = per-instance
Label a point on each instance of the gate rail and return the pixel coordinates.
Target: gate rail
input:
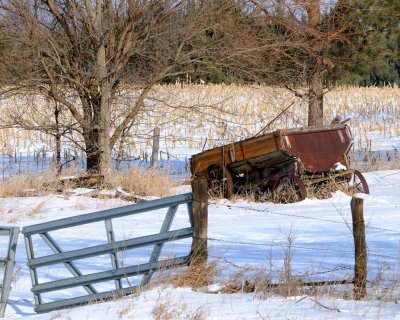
(8, 264)
(117, 273)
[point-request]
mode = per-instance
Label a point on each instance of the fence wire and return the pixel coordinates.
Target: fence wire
(340, 267)
(300, 216)
(392, 258)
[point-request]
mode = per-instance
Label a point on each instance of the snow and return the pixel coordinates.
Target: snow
(184, 303)
(244, 237)
(339, 167)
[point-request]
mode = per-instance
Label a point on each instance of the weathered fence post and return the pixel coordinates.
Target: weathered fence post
(3, 162)
(36, 156)
(360, 267)
(18, 161)
(29, 162)
(156, 146)
(199, 252)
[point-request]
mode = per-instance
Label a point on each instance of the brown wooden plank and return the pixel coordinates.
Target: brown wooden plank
(245, 149)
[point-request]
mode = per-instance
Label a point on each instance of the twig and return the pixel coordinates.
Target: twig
(321, 305)
(274, 119)
(301, 299)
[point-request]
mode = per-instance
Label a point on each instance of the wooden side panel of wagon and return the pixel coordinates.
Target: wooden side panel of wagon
(236, 152)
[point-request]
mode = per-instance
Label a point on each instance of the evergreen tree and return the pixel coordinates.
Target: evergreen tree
(370, 54)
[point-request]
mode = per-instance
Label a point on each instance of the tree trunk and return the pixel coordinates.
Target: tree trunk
(98, 151)
(316, 93)
(316, 70)
(98, 146)
(97, 133)
(58, 138)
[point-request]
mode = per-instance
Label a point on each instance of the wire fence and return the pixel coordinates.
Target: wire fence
(383, 262)
(339, 268)
(74, 162)
(174, 159)
(304, 217)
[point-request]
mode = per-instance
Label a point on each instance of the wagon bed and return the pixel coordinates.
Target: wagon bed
(301, 156)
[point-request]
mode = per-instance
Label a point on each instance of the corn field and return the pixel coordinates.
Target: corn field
(196, 117)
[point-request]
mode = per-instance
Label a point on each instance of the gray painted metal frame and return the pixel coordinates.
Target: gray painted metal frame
(8, 264)
(111, 248)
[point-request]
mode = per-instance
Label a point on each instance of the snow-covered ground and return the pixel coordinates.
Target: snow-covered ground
(244, 238)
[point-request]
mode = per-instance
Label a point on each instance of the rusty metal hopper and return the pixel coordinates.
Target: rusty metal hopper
(319, 149)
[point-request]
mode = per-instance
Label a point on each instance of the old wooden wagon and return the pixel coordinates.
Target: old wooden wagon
(278, 161)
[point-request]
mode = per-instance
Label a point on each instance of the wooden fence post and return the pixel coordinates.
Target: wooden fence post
(3, 162)
(199, 252)
(360, 267)
(156, 146)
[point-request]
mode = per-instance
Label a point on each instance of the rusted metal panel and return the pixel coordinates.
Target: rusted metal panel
(318, 150)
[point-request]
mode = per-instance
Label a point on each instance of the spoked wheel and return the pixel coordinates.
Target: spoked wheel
(359, 183)
(289, 189)
(220, 183)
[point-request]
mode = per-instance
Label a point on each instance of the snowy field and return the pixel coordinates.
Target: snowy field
(244, 237)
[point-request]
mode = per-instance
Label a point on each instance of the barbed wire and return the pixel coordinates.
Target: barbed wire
(283, 245)
(300, 216)
(309, 274)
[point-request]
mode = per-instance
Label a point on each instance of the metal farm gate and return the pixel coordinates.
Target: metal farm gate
(7, 265)
(117, 272)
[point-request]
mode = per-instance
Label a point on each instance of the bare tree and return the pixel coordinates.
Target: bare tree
(80, 53)
(52, 122)
(299, 36)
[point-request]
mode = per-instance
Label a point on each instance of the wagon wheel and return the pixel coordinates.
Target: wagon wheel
(288, 189)
(218, 184)
(359, 183)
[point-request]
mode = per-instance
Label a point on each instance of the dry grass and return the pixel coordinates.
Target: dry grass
(168, 308)
(290, 193)
(147, 182)
(112, 180)
(28, 185)
(195, 276)
(325, 189)
(138, 181)
(259, 282)
(34, 184)
(371, 161)
(37, 210)
(386, 284)
(126, 308)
